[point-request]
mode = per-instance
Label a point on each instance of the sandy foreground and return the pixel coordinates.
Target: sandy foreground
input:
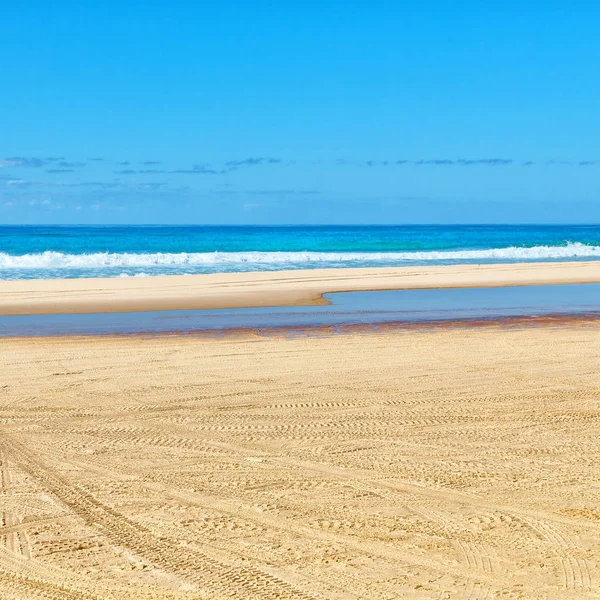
(448, 463)
(277, 288)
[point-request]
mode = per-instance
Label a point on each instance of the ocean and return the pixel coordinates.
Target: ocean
(36, 252)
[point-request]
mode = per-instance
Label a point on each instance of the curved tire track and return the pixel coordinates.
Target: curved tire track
(224, 580)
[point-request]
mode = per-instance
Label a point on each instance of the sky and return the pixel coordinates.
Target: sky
(299, 112)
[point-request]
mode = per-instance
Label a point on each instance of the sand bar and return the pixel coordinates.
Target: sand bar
(455, 463)
(278, 288)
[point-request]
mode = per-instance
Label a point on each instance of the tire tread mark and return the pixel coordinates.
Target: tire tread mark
(476, 556)
(223, 579)
(44, 589)
(575, 572)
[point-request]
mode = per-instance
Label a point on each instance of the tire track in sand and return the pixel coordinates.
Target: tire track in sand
(14, 538)
(24, 584)
(226, 581)
(575, 571)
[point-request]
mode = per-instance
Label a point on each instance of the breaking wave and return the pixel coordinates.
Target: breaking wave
(216, 261)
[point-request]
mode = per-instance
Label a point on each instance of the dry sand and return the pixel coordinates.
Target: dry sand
(279, 288)
(432, 464)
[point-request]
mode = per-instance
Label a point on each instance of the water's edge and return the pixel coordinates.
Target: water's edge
(43, 252)
(346, 309)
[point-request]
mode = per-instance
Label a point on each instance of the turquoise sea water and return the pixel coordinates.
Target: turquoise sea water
(28, 252)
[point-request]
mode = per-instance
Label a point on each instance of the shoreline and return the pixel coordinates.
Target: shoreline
(550, 320)
(268, 288)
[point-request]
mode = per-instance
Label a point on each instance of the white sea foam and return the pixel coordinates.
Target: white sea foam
(244, 260)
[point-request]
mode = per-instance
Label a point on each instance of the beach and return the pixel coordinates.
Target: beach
(437, 463)
(299, 301)
(450, 459)
(274, 288)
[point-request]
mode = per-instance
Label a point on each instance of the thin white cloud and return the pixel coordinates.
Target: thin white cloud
(5, 163)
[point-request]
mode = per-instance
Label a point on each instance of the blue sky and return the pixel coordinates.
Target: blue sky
(303, 112)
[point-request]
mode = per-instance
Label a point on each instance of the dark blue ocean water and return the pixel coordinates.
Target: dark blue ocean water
(65, 251)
